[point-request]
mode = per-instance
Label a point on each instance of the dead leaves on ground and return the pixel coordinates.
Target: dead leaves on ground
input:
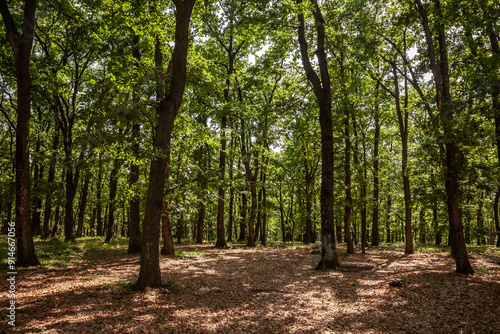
(261, 290)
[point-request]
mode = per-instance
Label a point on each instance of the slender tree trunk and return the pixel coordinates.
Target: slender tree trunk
(113, 185)
(348, 196)
(166, 230)
(134, 241)
(388, 219)
(263, 233)
(243, 214)
(480, 221)
(321, 87)
(376, 139)
(50, 181)
(231, 197)
(282, 216)
(92, 223)
(221, 238)
(453, 154)
(83, 205)
(36, 218)
(201, 216)
(259, 213)
(56, 221)
(149, 275)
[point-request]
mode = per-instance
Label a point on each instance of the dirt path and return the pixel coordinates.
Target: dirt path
(260, 290)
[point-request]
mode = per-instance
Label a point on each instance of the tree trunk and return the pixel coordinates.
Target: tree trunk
(259, 212)
(231, 197)
(36, 218)
(348, 195)
(243, 214)
(321, 87)
(134, 241)
(480, 221)
(201, 217)
(113, 185)
(83, 205)
(149, 275)
(221, 238)
(56, 221)
(282, 217)
(263, 233)
(50, 181)
(388, 219)
(166, 230)
(21, 46)
(376, 139)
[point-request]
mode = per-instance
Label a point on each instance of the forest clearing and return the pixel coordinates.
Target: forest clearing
(86, 288)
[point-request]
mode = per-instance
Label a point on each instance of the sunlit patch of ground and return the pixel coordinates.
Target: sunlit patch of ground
(259, 290)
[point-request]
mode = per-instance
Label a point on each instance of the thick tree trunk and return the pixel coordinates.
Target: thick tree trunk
(21, 46)
(149, 275)
(321, 87)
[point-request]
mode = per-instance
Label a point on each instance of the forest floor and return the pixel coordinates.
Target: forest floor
(85, 287)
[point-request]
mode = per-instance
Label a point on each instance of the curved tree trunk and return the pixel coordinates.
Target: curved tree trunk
(149, 275)
(321, 88)
(453, 154)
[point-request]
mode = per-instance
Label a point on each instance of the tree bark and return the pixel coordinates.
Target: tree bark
(453, 154)
(83, 205)
(221, 238)
(166, 230)
(231, 197)
(50, 181)
(36, 219)
(149, 275)
(243, 217)
(113, 185)
(21, 46)
(376, 203)
(321, 88)
(348, 194)
(134, 241)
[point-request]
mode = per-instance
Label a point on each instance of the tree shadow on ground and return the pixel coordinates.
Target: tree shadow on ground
(261, 290)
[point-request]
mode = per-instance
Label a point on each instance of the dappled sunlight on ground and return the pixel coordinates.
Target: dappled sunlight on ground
(261, 290)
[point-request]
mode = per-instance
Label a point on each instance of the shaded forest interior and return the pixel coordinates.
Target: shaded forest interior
(259, 128)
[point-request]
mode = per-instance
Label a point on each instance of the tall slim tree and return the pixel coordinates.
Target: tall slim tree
(167, 108)
(441, 75)
(321, 88)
